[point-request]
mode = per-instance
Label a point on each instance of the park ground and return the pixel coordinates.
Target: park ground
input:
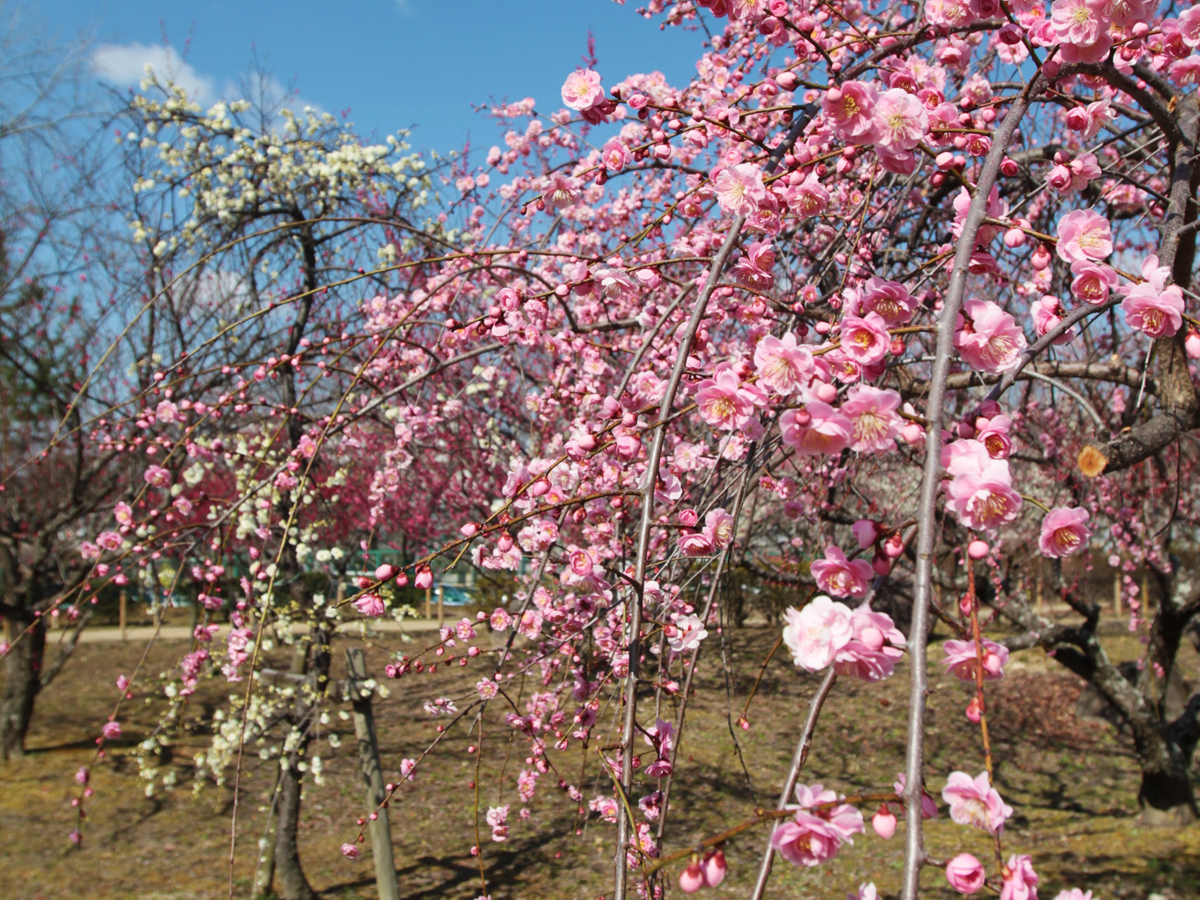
(1072, 782)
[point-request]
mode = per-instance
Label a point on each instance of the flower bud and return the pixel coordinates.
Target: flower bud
(884, 822)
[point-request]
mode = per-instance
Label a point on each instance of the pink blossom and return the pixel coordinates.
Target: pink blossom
(865, 339)
(1019, 881)
(718, 528)
(840, 576)
(1064, 532)
(582, 89)
(1079, 893)
(560, 191)
(974, 802)
(987, 337)
(873, 650)
(157, 476)
(817, 632)
(900, 120)
(816, 429)
(1092, 282)
(808, 198)
(109, 540)
(1189, 27)
(962, 659)
(1084, 235)
(996, 209)
(850, 109)
(685, 633)
(890, 299)
(993, 434)
(111, 731)
(740, 189)
(806, 840)
(754, 268)
(123, 513)
(615, 155)
(781, 364)
(1048, 313)
(724, 402)
(865, 532)
(965, 873)
(1082, 27)
(949, 14)
(695, 545)
(500, 619)
(928, 804)
(873, 412)
(370, 604)
(1153, 311)
(350, 851)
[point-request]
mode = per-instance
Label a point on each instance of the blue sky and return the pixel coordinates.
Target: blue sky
(391, 63)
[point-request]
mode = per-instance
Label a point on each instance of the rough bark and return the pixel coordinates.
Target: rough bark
(23, 664)
(293, 884)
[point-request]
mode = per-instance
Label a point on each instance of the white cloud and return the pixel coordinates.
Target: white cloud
(125, 65)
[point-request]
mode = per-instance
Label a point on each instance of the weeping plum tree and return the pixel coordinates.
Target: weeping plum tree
(883, 289)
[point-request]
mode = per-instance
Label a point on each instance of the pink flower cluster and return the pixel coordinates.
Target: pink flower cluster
(860, 643)
(818, 829)
(980, 491)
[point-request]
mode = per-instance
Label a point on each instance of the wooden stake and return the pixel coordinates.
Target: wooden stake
(1117, 592)
(428, 599)
(121, 613)
(372, 773)
(441, 613)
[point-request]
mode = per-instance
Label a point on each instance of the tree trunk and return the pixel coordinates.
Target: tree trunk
(24, 666)
(293, 885)
(1166, 796)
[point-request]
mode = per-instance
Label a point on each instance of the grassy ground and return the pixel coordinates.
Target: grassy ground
(1072, 783)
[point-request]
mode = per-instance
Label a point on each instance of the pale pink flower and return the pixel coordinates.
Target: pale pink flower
(582, 89)
(1064, 532)
(754, 268)
(1084, 235)
(1082, 28)
(111, 731)
(965, 873)
(808, 198)
(1019, 881)
(1047, 314)
(962, 659)
(890, 299)
(865, 339)
(500, 619)
(487, 688)
(1079, 893)
(850, 109)
(723, 401)
(840, 576)
(740, 189)
(949, 14)
(695, 545)
(123, 513)
(816, 429)
(816, 633)
(781, 364)
(873, 412)
(974, 802)
(1099, 114)
(157, 476)
(900, 120)
(718, 528)
(1153, 311)
(993, 433)
(109, 540)
(685, 633)
(996, 209)
(560, 191)
(1189, 27)
(873, 650)
(615, 155)
(350, 851)
(1092, 282)
(865, 532)
(815, 835)
(987, 337)
(370, 604)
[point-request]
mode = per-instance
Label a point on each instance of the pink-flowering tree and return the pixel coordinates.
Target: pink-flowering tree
(883, 298)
